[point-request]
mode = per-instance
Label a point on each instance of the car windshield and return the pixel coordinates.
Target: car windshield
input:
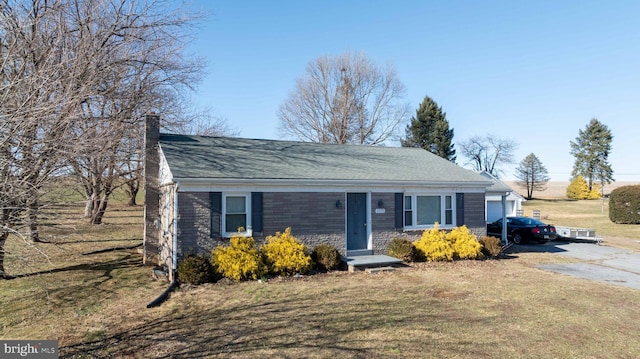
(529, 221)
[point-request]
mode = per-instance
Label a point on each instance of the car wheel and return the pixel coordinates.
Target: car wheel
(517, 238)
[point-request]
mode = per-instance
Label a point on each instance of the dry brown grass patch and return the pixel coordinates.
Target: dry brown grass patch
(95, 306)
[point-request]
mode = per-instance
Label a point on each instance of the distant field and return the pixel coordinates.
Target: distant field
(558, 189)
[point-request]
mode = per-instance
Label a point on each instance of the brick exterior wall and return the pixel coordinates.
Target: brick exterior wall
(312, 216)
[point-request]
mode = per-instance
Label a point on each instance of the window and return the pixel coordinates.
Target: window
(423, 211)
(236, 214)
(408, 213)
(428, 211)
(448, 210)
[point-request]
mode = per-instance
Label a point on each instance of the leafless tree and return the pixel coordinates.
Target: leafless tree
(488, 153)
(136, 50)
(40, 91)
(76, 78)
(345, 99)
(205, 122)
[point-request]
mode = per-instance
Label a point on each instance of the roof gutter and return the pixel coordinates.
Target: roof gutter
(332, 182)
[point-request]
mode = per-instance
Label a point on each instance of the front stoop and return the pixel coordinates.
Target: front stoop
(370, 262)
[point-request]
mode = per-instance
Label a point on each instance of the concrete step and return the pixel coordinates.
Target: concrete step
(374, 270)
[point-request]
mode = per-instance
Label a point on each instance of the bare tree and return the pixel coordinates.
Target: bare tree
(488, 153)
(206, 123)
(40, 91)
(346, 99)
(76, 78)
(137, 56)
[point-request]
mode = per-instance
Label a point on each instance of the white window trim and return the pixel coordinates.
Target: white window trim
(414, 210)
(248, 230)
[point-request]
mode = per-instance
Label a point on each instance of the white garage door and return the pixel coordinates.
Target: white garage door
(494, 210)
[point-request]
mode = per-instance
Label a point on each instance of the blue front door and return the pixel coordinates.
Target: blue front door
(357, 221)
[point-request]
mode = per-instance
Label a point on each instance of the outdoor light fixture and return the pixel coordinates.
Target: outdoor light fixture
(380, 203)
(338, 204)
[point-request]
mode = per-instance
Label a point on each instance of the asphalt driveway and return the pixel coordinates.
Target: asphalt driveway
(596, 262)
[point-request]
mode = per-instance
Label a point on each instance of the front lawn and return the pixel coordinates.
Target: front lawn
(95, 305)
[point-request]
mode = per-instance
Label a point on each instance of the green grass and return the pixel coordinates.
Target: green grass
(95, 305)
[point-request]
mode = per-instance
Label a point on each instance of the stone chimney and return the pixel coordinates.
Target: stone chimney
(151, 190)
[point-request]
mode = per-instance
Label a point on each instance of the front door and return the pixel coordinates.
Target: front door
(357, 234)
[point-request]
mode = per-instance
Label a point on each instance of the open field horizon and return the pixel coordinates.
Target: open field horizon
(558, 189)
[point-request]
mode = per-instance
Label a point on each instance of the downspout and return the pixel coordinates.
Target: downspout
(505, 240)
(174, 256)
(174, 264)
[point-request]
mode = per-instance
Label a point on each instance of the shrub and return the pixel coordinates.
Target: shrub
(404, 249)
(579, 189)
(434, 245)
(491, 246)
(326, 257)
(240, 260)
(284, 255)
(624, 205)
(465, 244)
(195, 269)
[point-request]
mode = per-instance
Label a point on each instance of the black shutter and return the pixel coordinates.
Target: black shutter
(399, 209)
(459, 209)
(256, 211)
(215, 203)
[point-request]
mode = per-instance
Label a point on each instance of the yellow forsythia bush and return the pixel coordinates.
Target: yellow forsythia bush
(438, 245)
(240, 260)
(434, 245)
(465, 244)
(284, 255)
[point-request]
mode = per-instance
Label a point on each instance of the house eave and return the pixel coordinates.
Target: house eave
(191, 183)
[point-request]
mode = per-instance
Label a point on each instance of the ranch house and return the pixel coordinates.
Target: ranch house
(199, 191)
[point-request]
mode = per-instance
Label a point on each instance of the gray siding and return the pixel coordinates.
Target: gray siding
(309, 213)
(474, 213)
(313, 217)
(194, 223)
(386, 221)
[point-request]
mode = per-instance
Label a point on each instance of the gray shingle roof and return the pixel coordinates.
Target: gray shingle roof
(497, 186)
(201, 157)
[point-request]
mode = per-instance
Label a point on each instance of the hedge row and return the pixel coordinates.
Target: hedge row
(624, 205)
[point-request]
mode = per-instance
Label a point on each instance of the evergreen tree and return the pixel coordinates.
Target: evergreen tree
(429, 129)
(591, 151)
(532, 174)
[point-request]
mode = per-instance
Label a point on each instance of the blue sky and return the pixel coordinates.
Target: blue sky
(534, 71)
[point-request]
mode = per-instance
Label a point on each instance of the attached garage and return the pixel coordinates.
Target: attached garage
(513, 201)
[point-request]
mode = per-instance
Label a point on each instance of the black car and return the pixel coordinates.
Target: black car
(521, 229)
